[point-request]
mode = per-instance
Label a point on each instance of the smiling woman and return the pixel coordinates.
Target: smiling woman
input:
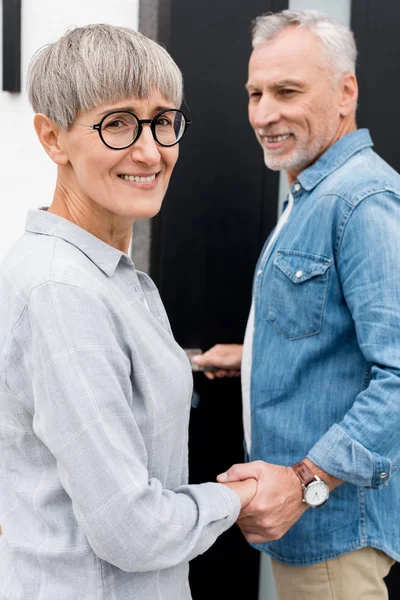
(94, 391)
(126, 91)
(93, 160)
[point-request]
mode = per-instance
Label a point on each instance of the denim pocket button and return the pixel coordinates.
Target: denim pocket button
(299, 274)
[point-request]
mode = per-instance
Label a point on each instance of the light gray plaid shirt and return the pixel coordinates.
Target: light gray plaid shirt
(94, 409)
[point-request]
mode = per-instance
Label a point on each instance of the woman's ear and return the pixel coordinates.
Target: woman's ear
(49, 136)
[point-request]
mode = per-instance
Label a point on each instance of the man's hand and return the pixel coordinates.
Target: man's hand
(227, 357)
(277, 504)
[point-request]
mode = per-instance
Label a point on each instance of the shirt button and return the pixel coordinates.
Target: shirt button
(296, 187)
(383, 475)
(299, 274)
(259, 272)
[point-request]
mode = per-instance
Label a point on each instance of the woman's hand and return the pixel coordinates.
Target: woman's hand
(246, 489)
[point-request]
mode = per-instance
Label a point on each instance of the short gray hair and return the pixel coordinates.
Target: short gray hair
(96, 64)
(337, 40)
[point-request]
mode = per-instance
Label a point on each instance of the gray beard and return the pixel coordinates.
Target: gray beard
(301, 157)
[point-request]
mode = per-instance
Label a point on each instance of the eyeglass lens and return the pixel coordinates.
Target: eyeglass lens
(121, 129)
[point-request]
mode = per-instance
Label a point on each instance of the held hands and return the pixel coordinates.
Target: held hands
(227, 357)
(246, 490)
(276, 505)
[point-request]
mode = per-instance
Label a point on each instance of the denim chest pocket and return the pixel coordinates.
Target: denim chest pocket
(297, 293)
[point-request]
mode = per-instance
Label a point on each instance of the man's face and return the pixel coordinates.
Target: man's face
(293, 102)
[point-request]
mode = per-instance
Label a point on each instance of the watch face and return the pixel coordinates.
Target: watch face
(317, 493)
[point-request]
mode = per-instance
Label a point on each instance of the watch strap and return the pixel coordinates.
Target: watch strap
(303, 473)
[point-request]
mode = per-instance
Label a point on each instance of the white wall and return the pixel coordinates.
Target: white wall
(27, 174)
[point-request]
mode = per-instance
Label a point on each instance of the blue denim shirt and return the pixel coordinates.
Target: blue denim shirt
(325, 379)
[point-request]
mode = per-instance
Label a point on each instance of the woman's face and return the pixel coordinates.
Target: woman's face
(103, 178)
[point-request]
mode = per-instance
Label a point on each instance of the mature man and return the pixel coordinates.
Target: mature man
(321, 355)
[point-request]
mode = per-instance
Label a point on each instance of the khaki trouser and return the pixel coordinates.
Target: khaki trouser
(357, 575)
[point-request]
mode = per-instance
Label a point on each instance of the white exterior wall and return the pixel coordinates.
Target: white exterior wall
(27, 173)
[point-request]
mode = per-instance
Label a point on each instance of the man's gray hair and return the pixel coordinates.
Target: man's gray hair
(337, 40)
(96, 64)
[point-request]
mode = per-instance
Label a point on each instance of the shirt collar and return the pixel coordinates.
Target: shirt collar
(335, 157)
(101, 254)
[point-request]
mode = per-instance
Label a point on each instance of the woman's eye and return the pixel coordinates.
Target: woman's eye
(116, 124)
(164, 122)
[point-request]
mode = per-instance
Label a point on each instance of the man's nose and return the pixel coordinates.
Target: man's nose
(145, 149)
(265, 113)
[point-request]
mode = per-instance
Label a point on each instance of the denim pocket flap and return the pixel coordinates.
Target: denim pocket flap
(299, 266)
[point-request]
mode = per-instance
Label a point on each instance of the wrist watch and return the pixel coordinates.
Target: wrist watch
(315, 491)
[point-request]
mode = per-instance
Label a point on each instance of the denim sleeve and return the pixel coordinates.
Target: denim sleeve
(364, 448)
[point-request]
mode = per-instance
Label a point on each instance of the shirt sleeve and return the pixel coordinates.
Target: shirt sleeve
(82, 391)
(363, 448)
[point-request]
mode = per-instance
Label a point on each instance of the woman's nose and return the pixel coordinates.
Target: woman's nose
(145, 149)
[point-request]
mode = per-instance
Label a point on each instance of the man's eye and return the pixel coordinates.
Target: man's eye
(254, 95)
(286, 92)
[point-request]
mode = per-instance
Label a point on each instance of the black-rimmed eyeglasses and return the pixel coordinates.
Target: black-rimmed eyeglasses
(120, 129)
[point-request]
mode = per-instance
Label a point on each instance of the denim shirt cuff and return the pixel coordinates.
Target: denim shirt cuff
(341, 456)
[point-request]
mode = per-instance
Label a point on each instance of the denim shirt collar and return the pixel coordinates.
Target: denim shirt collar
(101, 254)
(335, 157)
